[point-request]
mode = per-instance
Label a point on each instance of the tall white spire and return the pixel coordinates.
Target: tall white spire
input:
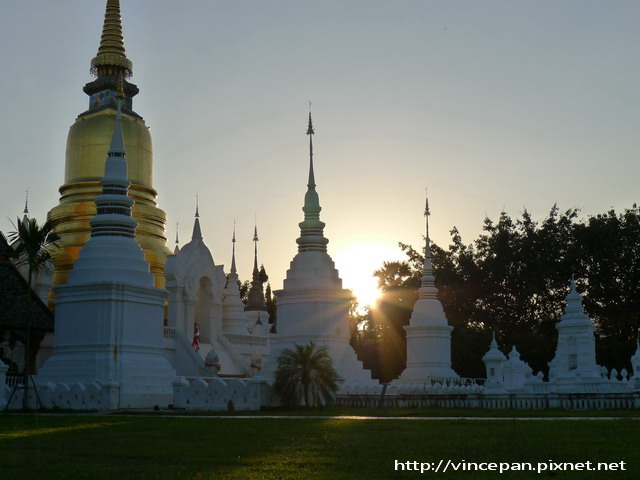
(197, 233)
(233, 250)
(427, 286)
(255, 251)
(113, 216)
(428, 332)
(311, 229)
(310, 132)
(234, 319)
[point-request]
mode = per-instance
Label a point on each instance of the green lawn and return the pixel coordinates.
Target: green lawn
(133, 447)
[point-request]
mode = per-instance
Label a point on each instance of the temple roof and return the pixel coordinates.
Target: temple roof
(13, 299)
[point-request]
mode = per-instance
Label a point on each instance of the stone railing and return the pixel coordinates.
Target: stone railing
(583, 401)
(14, 379)
(169, 337)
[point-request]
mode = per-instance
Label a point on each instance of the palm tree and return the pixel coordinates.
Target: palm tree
(305, 374)
(31, 242)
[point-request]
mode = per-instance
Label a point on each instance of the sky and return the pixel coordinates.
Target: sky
(494, 105)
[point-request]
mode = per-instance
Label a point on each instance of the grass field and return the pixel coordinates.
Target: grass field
(136, 447)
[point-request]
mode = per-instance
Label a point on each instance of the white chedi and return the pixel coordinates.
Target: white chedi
(428, 332)
(494, 361)
(109, 316)
(515, 372)
(313, 306)
(574, 368)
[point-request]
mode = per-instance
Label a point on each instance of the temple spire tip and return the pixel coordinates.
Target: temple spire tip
(111, 58)
(233, 250)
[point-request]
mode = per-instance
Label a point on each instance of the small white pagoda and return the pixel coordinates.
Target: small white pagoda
(428, 332)
(574, 368)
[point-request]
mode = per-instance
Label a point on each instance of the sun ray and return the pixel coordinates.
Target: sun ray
(357, 264)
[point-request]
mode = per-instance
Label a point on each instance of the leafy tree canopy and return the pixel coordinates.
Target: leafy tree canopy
(513, 279)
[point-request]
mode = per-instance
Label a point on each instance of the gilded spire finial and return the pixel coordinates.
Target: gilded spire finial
(111, 58)
(26, 203)
(177, 225)
(197, 212)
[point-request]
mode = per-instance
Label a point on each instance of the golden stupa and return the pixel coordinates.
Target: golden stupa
(87, 146)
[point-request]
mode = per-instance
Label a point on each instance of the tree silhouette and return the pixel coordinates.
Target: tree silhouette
(31, 250)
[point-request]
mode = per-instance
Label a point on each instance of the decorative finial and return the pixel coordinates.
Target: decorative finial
(113, 207)
(197, 212)
(310, 130)
(255, 250)
(311, 229)
(177, 225)
(26, 203)
(111, 58)
(427, 213)
(255, 230)
(233, 249)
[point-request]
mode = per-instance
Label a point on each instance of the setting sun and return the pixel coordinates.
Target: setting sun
(356, 265)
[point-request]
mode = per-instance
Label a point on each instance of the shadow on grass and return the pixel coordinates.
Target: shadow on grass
(319, 448)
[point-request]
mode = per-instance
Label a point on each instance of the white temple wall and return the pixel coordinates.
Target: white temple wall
(313, 313)
(218, 394)
(203, 312)
(111, 333)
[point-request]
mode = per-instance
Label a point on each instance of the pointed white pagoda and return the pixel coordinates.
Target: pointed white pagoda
(515, 372)
(494, 361)
(428, 333)
(574, 368)
(234, 319)
(109, 316)
(313, 306)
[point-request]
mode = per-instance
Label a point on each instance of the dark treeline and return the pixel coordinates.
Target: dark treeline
(512, 280)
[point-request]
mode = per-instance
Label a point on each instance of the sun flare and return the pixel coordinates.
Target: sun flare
(356, 265)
